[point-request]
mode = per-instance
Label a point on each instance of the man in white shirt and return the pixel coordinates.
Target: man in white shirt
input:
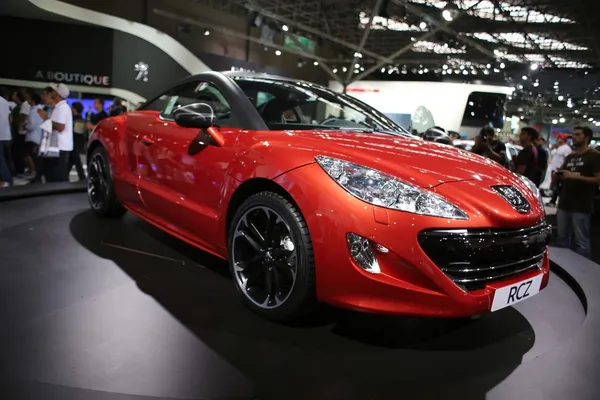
(62, 125)
(559, 154)
(5, 136)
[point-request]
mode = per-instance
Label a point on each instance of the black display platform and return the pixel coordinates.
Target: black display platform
(115, 309)
(38, 189)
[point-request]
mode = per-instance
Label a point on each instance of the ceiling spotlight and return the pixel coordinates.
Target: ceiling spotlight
(502, 65)
(335, 70)
(383, 70)
(585, 101)
(358, 55)
(423, 25)
(488, 66)
(206, 32)
(590, 119)
(562, 120)
(524, 77)
(536, 84)
(585, 116)
(534, 67)
(277, 52)
(555, 121)
(560, 98)
(445, 67)
(285, 28)
(317, 63)
(450, 12)
(344, 69)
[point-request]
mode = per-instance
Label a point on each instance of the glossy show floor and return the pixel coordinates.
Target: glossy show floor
(110, 310)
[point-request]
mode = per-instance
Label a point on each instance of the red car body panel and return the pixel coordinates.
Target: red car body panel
(188, 195)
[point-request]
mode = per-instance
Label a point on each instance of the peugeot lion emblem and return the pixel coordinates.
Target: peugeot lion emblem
(513, 197)
(141, 71)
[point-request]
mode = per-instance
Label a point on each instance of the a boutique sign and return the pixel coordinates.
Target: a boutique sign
(74, 78)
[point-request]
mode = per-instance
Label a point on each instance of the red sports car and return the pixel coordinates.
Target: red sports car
(313, 196)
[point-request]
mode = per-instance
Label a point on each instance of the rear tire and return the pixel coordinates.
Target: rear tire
(271, 258)
(100, 187)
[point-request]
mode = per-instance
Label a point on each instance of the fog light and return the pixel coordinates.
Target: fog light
(362, 252)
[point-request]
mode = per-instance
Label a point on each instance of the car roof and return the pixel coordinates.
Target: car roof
(250, 75)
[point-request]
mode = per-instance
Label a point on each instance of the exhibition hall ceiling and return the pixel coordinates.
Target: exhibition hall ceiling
(547, 49)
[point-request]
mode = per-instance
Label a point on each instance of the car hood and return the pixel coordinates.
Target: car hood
(423, 163)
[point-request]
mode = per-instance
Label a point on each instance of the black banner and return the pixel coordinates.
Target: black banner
(36, 50)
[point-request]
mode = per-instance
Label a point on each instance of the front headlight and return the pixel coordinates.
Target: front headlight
(383, 190)
(533, 188)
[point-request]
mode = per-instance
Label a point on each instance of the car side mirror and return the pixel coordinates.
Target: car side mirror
(199, 116)
(196, 115)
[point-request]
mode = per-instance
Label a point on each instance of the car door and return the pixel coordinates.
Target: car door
(135, 128)
(182, 170)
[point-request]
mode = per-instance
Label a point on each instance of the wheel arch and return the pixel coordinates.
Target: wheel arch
(249, 188)
(93, 145)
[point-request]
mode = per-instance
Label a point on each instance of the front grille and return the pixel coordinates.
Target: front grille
(474, 258)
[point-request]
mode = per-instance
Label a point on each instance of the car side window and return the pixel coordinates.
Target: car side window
(196, 92)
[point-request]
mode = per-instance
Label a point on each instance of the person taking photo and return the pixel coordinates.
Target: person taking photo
(580, 177)
(488, 146)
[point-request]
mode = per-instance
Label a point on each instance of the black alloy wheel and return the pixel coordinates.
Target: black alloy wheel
(271, 257)
(101, 193)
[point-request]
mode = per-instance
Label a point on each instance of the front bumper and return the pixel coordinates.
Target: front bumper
(425, 258)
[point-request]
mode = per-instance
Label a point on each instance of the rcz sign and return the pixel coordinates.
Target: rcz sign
(73, 78)
(509, 295)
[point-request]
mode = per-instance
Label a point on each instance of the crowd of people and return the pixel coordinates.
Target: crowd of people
(42, 137)
(575, 177)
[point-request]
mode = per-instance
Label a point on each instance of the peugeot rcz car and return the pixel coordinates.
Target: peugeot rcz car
(314, 197)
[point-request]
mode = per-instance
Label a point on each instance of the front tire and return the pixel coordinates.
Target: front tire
(271, 257)
(100, 186)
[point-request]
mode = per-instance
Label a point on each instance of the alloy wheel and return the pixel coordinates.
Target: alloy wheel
(97, 184)
(264, 257)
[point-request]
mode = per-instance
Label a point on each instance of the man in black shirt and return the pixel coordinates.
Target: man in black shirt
(580, 177)
(543, 156)
(99, 115)
(488, 146)
(527, 163)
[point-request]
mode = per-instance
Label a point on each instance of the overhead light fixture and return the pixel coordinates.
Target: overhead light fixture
(555, 121)
(562, 120)
(317, 63)
(561, 98)
(206, 32)
(502, 65)
(534, 67)
(285, 28)
(334, 71)
(277, 52)
(423, 25)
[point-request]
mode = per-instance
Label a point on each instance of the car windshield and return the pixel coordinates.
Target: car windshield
(300, 105)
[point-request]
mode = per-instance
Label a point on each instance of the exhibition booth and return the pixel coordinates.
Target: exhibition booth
(421, 105)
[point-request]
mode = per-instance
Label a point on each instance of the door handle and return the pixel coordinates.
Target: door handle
(147, 140)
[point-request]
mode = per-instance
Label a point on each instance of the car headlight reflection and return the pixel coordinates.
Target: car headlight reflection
(536, 191)
(380, 189)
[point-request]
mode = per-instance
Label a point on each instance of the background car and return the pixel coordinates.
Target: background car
(313, 196)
